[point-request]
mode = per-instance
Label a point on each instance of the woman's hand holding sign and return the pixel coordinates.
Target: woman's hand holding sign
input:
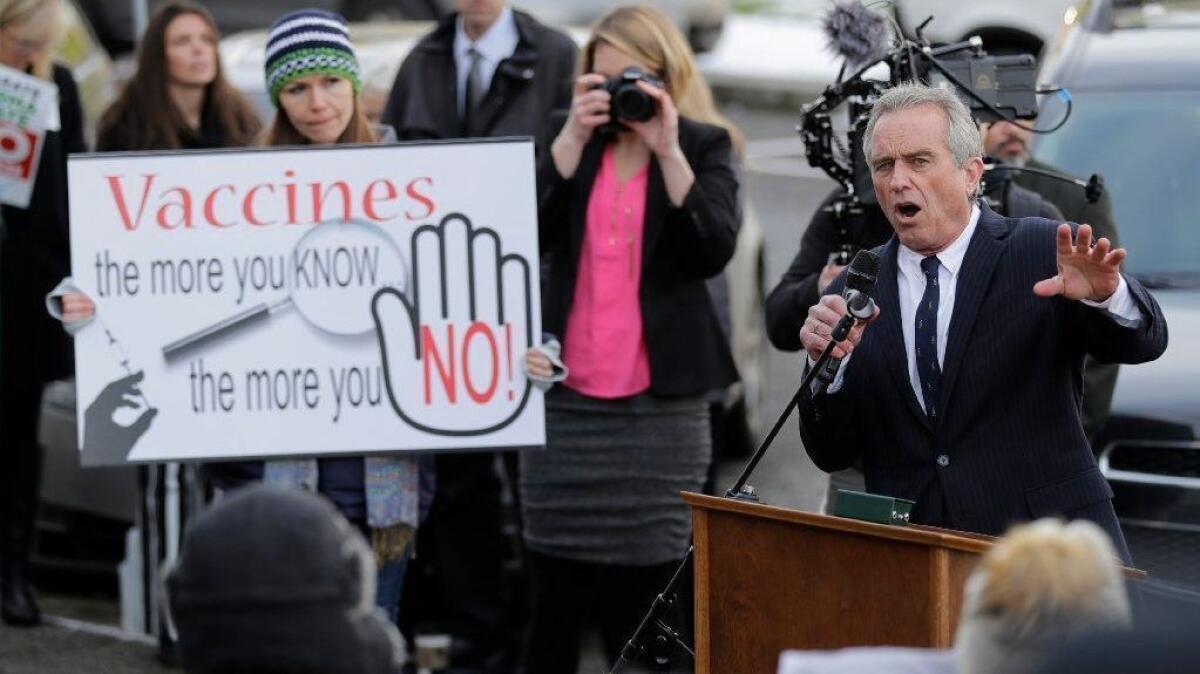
(451, 346)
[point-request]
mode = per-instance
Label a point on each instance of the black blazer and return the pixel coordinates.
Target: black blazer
(1009, 445)
(682, 247)
(36, 254)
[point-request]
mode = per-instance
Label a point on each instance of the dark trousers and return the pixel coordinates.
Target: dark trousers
(569, 595)
(20, 463)
(457, 583)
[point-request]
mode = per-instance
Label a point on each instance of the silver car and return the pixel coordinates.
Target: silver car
(1132, 76)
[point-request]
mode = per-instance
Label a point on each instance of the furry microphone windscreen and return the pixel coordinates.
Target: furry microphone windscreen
(855, 33)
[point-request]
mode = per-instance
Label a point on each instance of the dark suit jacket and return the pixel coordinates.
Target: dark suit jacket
(1010, 440)
(527, 86)
(1099, 381)
(36, 254)
(688, 352)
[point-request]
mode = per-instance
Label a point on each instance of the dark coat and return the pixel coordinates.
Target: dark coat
(787, 304)
(120, 135)
(35, 254)
(527, 87)
(1009, 445)
(688, 352)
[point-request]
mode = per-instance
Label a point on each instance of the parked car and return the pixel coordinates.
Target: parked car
(115, 20)
(1132, 76)
(701, 20)
(1009, 27)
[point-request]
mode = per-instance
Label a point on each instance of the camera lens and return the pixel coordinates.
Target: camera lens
(632, 104)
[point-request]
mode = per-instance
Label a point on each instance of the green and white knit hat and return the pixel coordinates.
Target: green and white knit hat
(309, 42)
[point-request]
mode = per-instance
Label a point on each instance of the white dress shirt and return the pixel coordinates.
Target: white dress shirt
(910, 282)
(497, 43)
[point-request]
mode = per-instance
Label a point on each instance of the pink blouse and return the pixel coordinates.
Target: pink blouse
(604, 348)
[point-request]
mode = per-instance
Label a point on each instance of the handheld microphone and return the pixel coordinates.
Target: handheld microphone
(860, 281)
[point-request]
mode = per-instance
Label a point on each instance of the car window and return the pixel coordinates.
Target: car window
(1144, 144)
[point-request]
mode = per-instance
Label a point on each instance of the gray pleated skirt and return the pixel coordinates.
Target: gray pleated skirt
(606, 487)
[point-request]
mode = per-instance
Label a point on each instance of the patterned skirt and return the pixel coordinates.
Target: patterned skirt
(606, 487)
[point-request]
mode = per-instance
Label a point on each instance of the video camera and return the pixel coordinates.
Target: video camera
(992, 87)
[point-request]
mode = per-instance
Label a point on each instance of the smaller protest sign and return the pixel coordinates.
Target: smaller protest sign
(28, 109)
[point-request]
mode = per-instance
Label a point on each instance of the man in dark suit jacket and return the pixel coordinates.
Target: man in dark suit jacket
(963, 394)
(525, 72)
(486, 70)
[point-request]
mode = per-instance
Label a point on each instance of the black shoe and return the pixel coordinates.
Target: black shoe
(19, 608)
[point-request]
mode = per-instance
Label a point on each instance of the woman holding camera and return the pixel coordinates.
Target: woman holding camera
(637, 207)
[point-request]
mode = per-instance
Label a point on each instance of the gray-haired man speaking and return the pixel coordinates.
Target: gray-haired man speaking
(963, 393)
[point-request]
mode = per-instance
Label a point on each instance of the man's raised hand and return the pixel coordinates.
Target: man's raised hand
(1085, 271)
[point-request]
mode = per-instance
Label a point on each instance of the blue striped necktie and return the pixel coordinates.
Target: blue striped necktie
(928, 369)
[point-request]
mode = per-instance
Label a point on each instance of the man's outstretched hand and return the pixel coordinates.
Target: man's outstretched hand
(1085, 271)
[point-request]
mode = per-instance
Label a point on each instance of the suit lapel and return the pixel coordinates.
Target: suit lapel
(891, 333)
(973, 280)
(585, 175)
(512, 75)
(442, 102)
(656, 206)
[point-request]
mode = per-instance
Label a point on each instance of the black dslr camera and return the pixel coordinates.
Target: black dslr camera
(629, 103)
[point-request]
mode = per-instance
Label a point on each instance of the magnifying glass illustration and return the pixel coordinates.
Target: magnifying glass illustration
(330, 277)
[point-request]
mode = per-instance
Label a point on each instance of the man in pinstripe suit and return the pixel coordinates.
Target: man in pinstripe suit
(963, 394)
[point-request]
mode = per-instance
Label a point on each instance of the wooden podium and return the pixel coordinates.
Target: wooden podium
(770, 578)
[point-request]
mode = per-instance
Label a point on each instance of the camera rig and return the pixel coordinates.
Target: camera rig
(993, 88)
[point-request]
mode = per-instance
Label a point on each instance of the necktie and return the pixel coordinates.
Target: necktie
(473, 93)
(928, 369)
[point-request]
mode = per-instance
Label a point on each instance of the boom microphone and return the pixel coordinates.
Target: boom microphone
(855, 33)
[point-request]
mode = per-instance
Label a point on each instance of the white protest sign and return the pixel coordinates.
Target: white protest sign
(306, 301)
(28, 108)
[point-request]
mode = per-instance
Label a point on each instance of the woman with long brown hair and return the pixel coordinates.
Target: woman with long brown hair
(634, 215)
(179, 98)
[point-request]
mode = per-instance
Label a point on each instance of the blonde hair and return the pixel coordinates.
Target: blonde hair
(36, 12)
(647, 35)
(1042, 582)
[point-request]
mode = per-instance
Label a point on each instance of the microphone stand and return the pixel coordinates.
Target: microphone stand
(739, 491)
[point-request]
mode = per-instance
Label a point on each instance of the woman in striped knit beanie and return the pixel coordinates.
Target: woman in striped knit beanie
(313, 78)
